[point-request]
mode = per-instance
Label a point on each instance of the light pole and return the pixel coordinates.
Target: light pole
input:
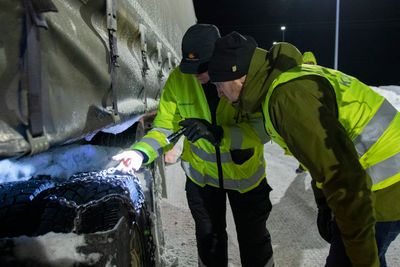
(283, 28)
(335, 65)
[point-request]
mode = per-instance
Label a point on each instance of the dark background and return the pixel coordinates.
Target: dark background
(369, 31)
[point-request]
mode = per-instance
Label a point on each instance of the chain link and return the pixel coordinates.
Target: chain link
(129, 182)
(117, 178)
(150, 240)
(94, 203)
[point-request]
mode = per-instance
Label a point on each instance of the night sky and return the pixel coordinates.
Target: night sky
(369, 40)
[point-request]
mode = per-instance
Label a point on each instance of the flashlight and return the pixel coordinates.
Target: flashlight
(172, 138)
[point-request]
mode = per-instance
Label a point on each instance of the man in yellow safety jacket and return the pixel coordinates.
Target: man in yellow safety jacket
(344, 133)
(309, 58)
(223, 155)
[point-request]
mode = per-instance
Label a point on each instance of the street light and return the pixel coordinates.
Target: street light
(274, 43)
(335, 63)
(283, 28)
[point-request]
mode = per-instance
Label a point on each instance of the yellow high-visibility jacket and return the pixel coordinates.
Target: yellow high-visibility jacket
(183, 97)
(344, 133)
(370, 121)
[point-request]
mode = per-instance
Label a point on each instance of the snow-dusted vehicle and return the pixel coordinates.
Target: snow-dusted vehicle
(79, 77)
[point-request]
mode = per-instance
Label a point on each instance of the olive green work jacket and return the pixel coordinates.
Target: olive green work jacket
(304, 112)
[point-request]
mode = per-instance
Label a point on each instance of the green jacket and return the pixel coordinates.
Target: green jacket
(183, 97)
(369, 120)
(313, 133)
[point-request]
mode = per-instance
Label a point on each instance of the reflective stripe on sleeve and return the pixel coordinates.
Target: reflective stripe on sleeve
(375, 127)
(154, 144)
(162, 130)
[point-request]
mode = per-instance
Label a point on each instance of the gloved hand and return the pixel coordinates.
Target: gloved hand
(324, 217)
(324, 223)
(200, 128)
(130, 160)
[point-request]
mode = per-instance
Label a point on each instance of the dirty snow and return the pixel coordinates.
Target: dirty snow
(51, 248)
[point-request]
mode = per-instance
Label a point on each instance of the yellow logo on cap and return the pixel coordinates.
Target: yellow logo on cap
(234, 68)
(191, 55)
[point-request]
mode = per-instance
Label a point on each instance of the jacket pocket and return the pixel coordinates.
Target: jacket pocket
(240, 156)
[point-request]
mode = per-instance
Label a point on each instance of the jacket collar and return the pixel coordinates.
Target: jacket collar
(264, 68)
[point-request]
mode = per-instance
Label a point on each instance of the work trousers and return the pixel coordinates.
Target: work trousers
(250, 212)
(385, 233)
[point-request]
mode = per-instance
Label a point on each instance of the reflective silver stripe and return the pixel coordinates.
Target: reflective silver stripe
(236, 138)
(162, 130)
(259, 127)
(210, 157)
(384, 169)
(375, 127)
(229, 183)
(154, 144)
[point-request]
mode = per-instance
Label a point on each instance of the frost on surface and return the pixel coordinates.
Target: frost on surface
(59, 163)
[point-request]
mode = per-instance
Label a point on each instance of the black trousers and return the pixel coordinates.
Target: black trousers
(250, 212)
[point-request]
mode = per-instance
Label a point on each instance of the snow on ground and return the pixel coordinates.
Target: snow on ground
(292, 221)
(391, 93)
(50, 250)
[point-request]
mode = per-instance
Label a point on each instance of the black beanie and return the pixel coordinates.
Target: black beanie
(197, 47)
(231, 57)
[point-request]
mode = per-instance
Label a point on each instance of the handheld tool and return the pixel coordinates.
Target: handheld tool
(172, 138)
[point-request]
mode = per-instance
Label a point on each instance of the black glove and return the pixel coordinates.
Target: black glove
(324, 217)
(200, 128)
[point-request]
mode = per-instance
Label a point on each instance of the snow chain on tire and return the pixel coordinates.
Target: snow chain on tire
(86, 203)
(84, 192)
(150, 240)
(95, 201)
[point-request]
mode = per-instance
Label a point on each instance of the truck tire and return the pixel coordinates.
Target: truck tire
(141, 243)
(18, 215)
(78, 197)
(89, 204)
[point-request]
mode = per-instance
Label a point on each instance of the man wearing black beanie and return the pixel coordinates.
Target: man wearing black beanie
(223, 156)
(343, 132)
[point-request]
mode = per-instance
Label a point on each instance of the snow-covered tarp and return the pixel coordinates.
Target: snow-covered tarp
(74, 96)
